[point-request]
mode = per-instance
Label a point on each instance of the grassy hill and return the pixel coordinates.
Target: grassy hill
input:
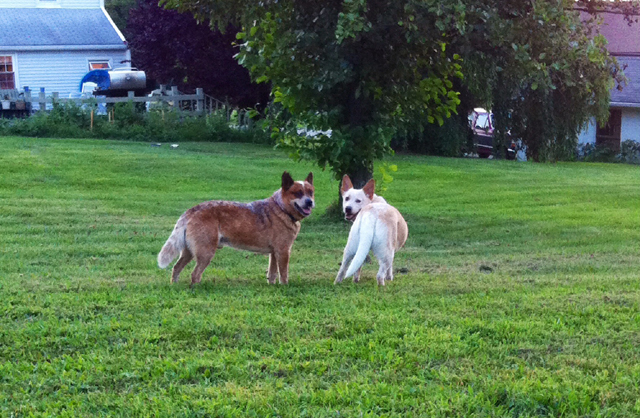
(517, 294)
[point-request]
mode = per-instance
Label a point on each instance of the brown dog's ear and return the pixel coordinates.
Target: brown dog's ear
(346, 184)
(287, 181)
(369, 188)
(309, 179)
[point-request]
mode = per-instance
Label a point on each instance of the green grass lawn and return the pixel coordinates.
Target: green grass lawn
(518, 293)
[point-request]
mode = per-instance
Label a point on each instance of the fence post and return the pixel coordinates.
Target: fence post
(200, 101)
(27, 100)
(42, 100)
(56, 97)
(174, 92)
(131, 94)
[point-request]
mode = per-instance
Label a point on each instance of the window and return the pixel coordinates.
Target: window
(608, 135)
(483, 121)
(7, 76)
(99, 65)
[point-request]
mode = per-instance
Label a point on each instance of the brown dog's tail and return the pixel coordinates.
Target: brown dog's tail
(174, 245)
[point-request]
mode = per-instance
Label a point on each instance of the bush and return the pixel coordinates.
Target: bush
(131, 122)
(629, 152)
(595, 153)
(452, 139)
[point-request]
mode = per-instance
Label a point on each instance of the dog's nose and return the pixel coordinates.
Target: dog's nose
(309, 203)
(347, 210)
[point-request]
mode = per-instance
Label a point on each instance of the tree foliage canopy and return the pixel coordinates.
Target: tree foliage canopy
(360, 68)
(531, 61)
(368, 68)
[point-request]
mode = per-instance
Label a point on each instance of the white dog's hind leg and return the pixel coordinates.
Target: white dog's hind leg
(390, 272)
(386, 264)
(356, 275)
(349, 253)
(382, 273)
(346, 259)
(384, 253)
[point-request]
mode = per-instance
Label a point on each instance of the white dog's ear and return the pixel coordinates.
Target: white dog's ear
(346, 184)
(369, 188)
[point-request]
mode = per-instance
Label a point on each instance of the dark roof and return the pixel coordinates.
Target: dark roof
(623, 37)
(56, 29)
(630, 93)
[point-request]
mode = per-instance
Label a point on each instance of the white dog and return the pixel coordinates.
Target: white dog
(378, 226)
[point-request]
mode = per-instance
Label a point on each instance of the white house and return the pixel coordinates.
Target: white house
(624, 121)
(52, 44)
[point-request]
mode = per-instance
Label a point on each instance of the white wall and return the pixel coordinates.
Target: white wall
(588, 135)
(630, 125)
(71, 4)
(59, 71)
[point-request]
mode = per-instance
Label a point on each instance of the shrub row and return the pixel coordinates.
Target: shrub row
(629, 153)
(131, 122)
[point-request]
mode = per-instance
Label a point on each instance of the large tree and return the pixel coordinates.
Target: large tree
(174, 48)
(368, 68)
(359, 68)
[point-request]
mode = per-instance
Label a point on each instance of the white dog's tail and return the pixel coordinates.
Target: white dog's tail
(365, 240)
(175, 243)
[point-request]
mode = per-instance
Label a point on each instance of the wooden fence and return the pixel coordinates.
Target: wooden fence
(189, 102)
(198, 103)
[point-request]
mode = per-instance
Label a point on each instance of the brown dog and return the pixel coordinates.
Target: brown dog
(266, 226)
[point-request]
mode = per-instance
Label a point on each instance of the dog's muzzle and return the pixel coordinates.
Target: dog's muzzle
(306, 209)
(349, 215)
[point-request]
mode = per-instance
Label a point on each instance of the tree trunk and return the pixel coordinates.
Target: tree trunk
(358, 115)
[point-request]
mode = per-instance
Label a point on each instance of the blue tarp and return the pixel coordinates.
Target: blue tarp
(100, 77)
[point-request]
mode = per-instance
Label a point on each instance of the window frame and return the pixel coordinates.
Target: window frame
(610, 134)
(13, 70)
(107, 61)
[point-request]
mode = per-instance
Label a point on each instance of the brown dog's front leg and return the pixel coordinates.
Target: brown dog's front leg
(283, 265)
(272, 271)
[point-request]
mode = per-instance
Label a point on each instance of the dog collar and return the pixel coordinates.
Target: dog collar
(278, 202)
(294, 220)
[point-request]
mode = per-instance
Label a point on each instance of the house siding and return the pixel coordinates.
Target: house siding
(67, 4)
(630, 125)
(60, 71)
